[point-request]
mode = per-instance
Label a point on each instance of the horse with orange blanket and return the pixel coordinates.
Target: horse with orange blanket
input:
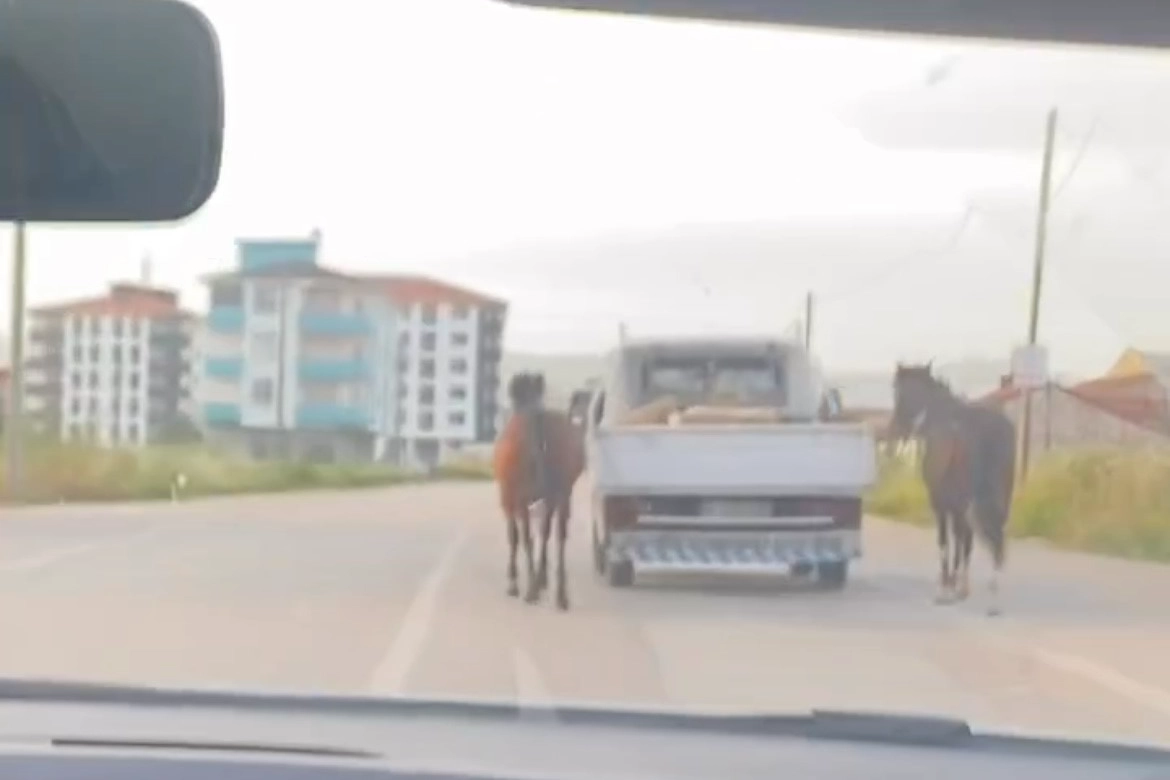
(538, 458)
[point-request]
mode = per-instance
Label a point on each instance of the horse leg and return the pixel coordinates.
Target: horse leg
(513, 545)
(546, 515)
(964, 540)
(532, 594)
(944, 579)
(997, 544)
(562, 537)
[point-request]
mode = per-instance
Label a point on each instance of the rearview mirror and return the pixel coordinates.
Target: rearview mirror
(110, 110)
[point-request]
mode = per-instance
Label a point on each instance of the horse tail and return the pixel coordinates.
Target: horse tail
(994, 485)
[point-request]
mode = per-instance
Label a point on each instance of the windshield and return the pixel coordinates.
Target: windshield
(259, 443)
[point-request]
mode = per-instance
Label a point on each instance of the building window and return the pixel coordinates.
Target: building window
(264, 298)
(132, 433)
(76, 407)
(426, 394)
(262, 391)
(95, 353)
(75, 379)
(426, 421)
(133, 407)
(459, 312)
(322, 300)
(134, 381)
(426, 368)
(264, 346)
(427, 341)
(459, 339)
(226, 294)
(458, 393)
(458, 366)
(93, 379)
(135, 354)
(457, 418)
(427, 314)
(78, 355)
(320, 392)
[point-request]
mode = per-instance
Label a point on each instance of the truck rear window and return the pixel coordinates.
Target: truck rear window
(743, 380)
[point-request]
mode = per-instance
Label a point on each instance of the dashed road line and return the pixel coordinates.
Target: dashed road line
(394, 669)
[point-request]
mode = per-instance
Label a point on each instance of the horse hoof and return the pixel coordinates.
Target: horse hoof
(943, 599)
(994, 612)
(563, 603)
(513, 590)
(532, 596)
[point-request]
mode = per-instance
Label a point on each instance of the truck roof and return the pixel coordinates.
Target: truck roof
(687, 344)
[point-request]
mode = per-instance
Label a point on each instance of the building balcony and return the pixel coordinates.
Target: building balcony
(320, 323)
(226, 319)
(333, 369)
(332, 416)
(223, 368)
(221, 414)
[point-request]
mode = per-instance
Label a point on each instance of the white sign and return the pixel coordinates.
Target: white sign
(1030, 367)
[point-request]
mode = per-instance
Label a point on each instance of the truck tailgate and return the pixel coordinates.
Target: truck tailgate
(772, 460)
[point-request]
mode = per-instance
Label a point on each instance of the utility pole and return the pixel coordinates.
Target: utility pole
(1038, 276)
(808, 321)
(14, 429)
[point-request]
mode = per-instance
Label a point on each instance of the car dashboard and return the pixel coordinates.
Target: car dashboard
(77, 732)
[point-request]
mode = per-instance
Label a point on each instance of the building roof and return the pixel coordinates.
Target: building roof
(291, 270)
(125, 299)
(403, 289)
(1140, 362)
(409, 289)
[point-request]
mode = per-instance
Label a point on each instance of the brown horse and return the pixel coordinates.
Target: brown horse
(968, 466)
(538, 457)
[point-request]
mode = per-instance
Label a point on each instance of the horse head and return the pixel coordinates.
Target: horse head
(914, 387)
(526, 389)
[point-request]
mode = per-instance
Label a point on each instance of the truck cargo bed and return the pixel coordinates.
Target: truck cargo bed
(751, 459)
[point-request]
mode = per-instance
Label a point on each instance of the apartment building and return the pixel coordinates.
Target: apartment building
(306, 362)
(113, 369)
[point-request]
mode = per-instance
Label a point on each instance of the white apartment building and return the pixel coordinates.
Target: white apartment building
(114, 369)
(306, 362)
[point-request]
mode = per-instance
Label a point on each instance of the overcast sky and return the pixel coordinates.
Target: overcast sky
(680, 176)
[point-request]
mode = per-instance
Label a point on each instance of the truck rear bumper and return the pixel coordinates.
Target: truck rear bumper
(709, 549)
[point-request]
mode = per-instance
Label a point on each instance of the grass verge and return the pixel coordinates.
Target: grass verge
(57, 472)
(1110, 502)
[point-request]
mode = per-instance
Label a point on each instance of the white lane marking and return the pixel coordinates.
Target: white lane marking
(392, 671)
(531, 689)
(1151, 696)
(1104, 676)
(53, 556)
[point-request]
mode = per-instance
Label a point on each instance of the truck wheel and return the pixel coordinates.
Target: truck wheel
(833, 575)
(620, 574)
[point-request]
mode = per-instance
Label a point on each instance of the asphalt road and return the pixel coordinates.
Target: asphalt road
(402, 592)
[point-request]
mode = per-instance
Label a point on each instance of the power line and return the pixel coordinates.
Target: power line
(894, 267)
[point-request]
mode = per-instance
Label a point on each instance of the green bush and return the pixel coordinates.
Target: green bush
(55, 471)
(1106, 501)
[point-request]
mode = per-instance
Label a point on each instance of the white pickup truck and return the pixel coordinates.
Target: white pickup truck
(781, 492)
